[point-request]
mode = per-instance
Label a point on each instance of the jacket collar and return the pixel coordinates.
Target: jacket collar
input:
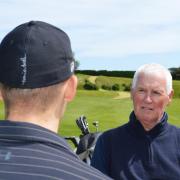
(136, 127)
(27, 132)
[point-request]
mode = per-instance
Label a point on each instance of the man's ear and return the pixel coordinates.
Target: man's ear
(170, 96)
(1, 97)
(71, 87)
(131, 93)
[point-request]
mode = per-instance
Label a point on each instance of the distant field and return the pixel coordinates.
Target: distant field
(104, 80)
(112, 80)
(176, 87)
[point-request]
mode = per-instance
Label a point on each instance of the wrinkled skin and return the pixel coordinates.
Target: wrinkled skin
(150, 99)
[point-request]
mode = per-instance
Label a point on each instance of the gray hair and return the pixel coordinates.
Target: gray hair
(151, 69)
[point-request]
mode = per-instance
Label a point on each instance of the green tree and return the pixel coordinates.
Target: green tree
(115, 87)
(77, 64)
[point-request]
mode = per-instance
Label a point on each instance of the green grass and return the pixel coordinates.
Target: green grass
(95, 105)
(1, 110)
(110, 112)
(81, 80)
(174, 112)
(176, 87)
(100, 80)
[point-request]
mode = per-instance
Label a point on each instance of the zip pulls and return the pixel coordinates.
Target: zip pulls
(149, 149)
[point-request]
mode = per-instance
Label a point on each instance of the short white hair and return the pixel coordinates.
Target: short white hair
(151, 69)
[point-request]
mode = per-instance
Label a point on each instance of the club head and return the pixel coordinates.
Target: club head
(82, 124)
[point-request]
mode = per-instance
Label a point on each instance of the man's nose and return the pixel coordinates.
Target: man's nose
(148, 98)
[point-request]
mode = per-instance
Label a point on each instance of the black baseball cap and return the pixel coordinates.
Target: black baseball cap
(34, 55)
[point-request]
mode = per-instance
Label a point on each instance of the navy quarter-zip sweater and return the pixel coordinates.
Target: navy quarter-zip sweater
(131, 153)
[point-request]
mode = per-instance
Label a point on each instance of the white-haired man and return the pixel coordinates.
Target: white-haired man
(147, 147)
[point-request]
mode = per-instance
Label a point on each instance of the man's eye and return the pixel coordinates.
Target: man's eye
(141, 90)
(156, 93)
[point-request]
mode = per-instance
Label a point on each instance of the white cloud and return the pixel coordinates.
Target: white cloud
(103, 28)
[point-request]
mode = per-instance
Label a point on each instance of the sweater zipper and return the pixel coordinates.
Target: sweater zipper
(149, 149)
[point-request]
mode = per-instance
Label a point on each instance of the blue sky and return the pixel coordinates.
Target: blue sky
(107, 34)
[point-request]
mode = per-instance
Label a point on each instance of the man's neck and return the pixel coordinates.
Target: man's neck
(45, 120)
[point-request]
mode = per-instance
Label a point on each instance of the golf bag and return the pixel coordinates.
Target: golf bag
(85, 143)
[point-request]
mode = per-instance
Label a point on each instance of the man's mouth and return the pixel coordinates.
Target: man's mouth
(147, 108)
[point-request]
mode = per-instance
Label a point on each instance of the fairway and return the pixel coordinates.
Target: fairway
(110, 108)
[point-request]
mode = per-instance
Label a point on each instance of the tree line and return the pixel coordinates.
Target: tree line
(175, 73)
(129, 74)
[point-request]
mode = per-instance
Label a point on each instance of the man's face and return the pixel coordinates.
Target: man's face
(150, 99)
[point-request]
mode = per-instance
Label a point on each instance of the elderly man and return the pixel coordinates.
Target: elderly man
(37, 81)
(147, 147)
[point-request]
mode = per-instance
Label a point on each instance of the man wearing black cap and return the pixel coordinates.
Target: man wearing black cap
(37, 81)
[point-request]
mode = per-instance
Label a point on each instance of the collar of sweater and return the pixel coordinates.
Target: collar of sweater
(136, 127)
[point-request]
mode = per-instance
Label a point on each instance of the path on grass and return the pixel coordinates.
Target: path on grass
(92, 79)
(122, 95)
